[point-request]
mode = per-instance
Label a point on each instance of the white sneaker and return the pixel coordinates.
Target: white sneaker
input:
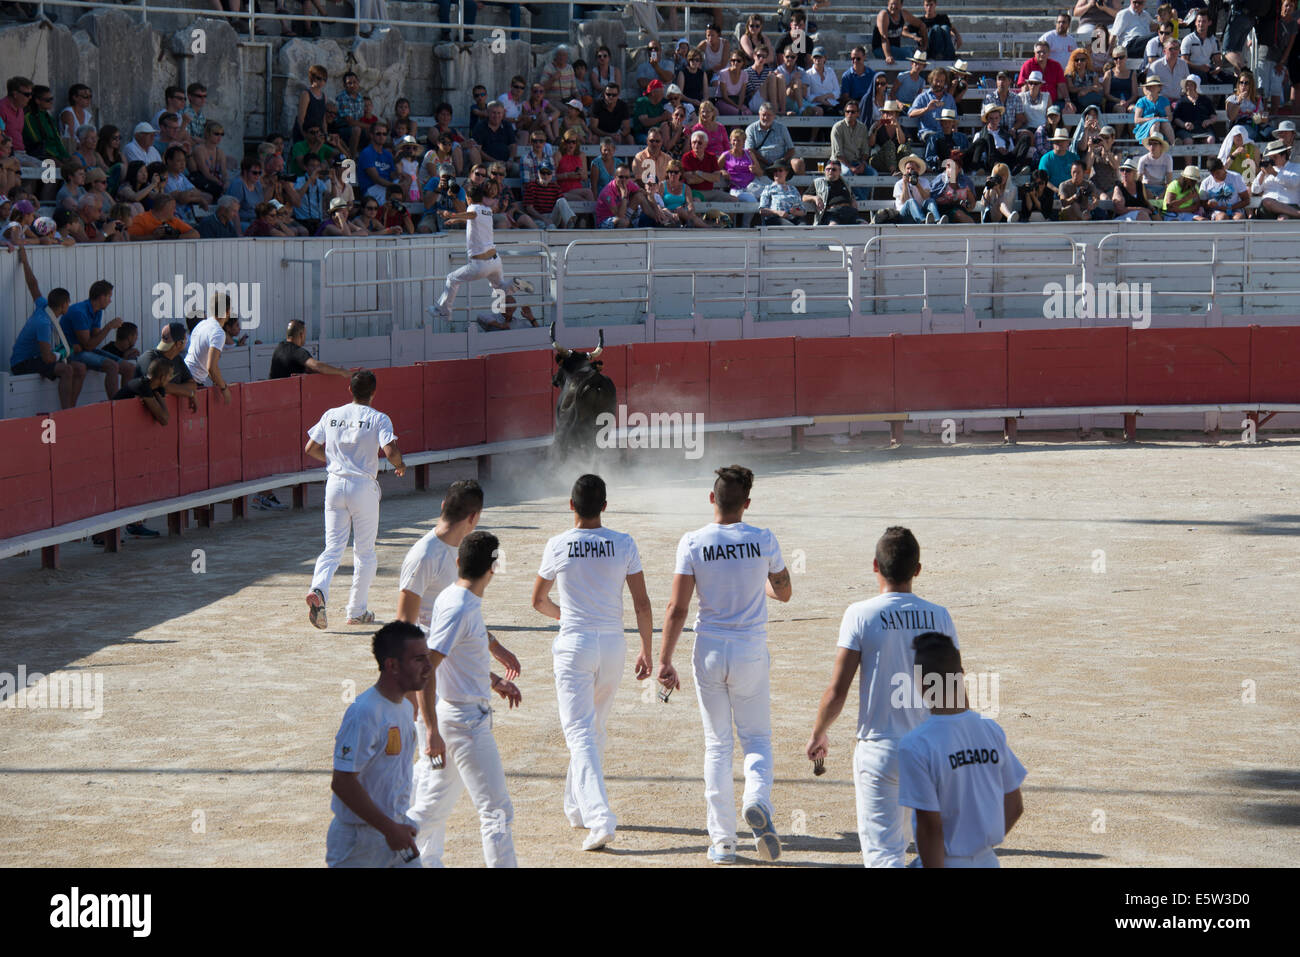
(944, 220)
(766, 841)
(929, 219)
(722, 853)
(434, 312)
(521, 285)
(597, 839)
(1014, 217)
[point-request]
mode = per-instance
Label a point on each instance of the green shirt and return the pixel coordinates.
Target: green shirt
(300, 151)
(643, 107)
(1178, 196)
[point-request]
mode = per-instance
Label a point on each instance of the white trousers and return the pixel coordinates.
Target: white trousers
(489, 269)
(984, 858)
(588, 669)
(882, 824)
(731, 682)
(473, 764)
(360, 845)
(561, 214)
(351, 508)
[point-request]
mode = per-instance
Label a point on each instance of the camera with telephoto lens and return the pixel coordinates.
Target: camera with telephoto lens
(993, 182)
(396, 204)
(913, 176)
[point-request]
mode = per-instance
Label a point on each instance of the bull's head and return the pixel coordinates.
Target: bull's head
(569, 359)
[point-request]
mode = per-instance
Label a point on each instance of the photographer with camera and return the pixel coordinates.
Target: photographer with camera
(912, 199)
(161, 222)
(395, 215)
(1278, 184)
(313, 189)
(339, 223)
(994, 197)
(442, 198)
(1079, 197)
(1038, 198)
(953, 193)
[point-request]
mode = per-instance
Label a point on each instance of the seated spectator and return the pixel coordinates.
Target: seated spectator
(17, 231)
(68, 226)
(571, 173)
(1238, 152)
(1061, 44)
(40, 347)
(1155, 168)
(753, 38)
(1038, 198)
(351, 108)
(171, 349)
(495, 137)
(780, 204)
(93, 227)
(732, 82)
(442, 198)
(170, 133)
(894, 25)
(1119, 82)
(953, 193)
(1133, 28)
(537, 115)
(248, 189)
(653, 157)
(718, 138)
(993, 144)
(87, 153)
(997, 197)
(1051, 75)
(558, 80)
(605, 72)
(509, 213)
(651, 111)
(123, 344)
(73, 188)
(886, 141)
(653, 202)
(313, 143)
(1224, 194)
(1200, 48)
(942, 39)
(1171, 69)
(291, 357)
(1057, 163)
(1153, 112)
(97, 189)
(823, 85)
(78, 113)
(1183, 197)
(1043, 135)
(930, 103)
(340, 221)
(442, 153)
(13, 109)
(1245, 107)
(151, 391)
(738, 167)
(207, 341)
(222, 222)
(173, 102)
(1194, 115)
(1278, 183)
(40, 131)
(512, 99)
(141, 146)
(610, 116)
(768, 141)
(620, 204)
(376, 165)
(693, 81)
(949, 142)
(1087, 132)
(193, 120)
(1102, 161)
(208, 164)
(859, 80)
(1034, 104)
(1275, 36)
(1079, 197)
(673, 97)
(314, 191)
(191, 202)
(543, 202)
(912, 200)
(582, 84)
(959, 80)
(701, 171)
(1129, 198)
(575, 122)
(1083, 83)
(408, 169)
(265, 222)
(851, 140)
(161, 222)
(395, 214)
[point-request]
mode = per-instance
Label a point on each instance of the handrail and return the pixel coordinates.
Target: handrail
(1213, 262)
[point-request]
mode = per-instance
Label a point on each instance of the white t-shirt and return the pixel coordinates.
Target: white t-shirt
(429, 567)
(590, 567)
(903, 191)
(960, 766)
(208, 334)
(1060, 47)
(478, 231)
(730, 564)
(376, 741)
(511, 106)
(882, 629)
(132, 152)
(457, 631)
(1198, 51)
(352, 435)
(1229, 191)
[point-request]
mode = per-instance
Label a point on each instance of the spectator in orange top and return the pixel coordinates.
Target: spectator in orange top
(161, 222)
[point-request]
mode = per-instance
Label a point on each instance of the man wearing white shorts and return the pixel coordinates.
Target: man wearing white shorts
(590, 564)
(373, 754)
(735, 566)
(484, 263)
(877, 634)
(348, 439)
(459, 750)
(955, 768)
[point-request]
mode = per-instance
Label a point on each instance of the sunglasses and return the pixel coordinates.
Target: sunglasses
(857, 59)
(602, 56)
(516, 86)
(498, 175)
(543, 172)
(623, 177)
(256, 171)
(372, 209)
(674, 172)
(477, 174)
(84, 96)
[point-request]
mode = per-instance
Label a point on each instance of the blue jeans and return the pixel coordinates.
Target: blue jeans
(469, 6)
(939, 44)
(914, 212)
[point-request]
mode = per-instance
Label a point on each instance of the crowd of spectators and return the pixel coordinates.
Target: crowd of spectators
(956, 146)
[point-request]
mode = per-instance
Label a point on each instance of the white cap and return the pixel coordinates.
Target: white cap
(145, 127)
(673, 88)
(1035, 77)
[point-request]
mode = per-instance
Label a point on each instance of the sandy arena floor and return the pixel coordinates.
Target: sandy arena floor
(1123, 691)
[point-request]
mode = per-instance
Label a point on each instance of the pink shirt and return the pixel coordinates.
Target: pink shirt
(717, 138)
(13, 117)
(607, 201)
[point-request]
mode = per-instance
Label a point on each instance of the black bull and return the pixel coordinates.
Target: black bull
(585, 392)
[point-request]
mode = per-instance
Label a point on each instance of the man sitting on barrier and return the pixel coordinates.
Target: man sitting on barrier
(84, 327)
(40, 346)
(171, 347)
(151, 390)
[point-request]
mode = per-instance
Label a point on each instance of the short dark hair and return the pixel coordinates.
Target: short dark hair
(172, 151)
(195, 88)
(58, 297)
(352, 74)
(588, 495)
(392, 638)
(16, 83)
(125, 331)
(898, 553)
(936, 654)
(475, 192)
(158, 366)
(172, 91)
(295, 326)
(464, 497)
(731, 487)
(1214, 165)
(362, 384)
(477, 552)
(100, 287)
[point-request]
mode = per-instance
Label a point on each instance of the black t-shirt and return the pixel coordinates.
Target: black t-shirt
(610, 121)
(838, 194)
(289, 359)
(180, 371)
(138, 388)
(111, 348)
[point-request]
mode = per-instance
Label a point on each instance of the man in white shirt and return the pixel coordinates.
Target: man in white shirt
(877, 634)
(373, 755)
(589, 565)
(823, 85)
(955, 769)
(348, 439)
(1133, 27)
(460, 752)
(1278, 183)
(430, 565)
(203, 359)
(141, 146)
(1060, 41)
(735, 566)
(1200, 49)
(484, 263)
(1225, 193)
(1171, 70)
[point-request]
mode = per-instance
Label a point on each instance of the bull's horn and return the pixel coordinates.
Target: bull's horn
(562, 353)
(600, 346)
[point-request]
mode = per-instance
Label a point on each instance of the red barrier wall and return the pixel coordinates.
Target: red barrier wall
(455, 411)
(81, 462)
(841, 376)
(192, 443)
(25, 496)
(1275, 364)
(399, 394)
(225, 437)
(518, 395)
(146, 466)
(667, 376)
(1188, 365)
(954, 371)
(273, 437)
(1066, 367)
(751, 379)
(318, 394)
